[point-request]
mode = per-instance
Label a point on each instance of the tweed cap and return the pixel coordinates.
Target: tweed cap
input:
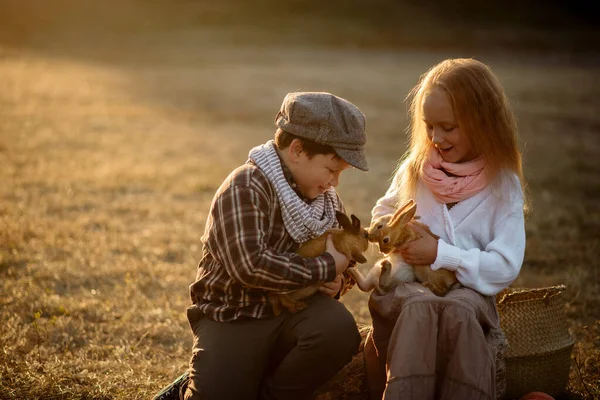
(326, 119)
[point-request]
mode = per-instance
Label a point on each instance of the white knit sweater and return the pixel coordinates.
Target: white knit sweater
(482, 238)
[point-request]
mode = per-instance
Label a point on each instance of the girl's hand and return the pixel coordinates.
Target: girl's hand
(331, 288)
(422, 251)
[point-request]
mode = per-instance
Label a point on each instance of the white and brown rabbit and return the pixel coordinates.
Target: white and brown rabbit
(390, 233)
(351, 240)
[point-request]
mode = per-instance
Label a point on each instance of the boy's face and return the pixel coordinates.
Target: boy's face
(314, 175)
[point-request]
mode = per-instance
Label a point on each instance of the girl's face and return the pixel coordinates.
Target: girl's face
(443, 130)
(314, 175)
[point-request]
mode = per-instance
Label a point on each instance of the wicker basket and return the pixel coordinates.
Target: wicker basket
(539, 354)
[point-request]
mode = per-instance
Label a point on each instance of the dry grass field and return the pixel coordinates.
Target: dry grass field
(117, 124)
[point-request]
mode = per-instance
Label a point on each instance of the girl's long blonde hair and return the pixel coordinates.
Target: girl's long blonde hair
(481, 110)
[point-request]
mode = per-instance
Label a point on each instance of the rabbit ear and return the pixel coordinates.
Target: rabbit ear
(409, 214)
(404, 207)
(404, 214)
(408, 204)
(355, 223)
(344, 221)
(399, 212)
(395, 218)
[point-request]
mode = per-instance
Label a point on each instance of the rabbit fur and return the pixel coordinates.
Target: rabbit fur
(391, 233)
(351, 240)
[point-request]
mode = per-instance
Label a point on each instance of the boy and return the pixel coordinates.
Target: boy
(282, 196)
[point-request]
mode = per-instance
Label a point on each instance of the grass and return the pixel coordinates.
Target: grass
(113, 141)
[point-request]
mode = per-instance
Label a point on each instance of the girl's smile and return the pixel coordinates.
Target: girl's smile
(443, 130)
(444, 152)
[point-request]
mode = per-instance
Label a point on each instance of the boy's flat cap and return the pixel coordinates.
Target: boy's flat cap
(326, 119)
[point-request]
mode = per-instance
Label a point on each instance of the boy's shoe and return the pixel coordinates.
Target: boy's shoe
(174, 390)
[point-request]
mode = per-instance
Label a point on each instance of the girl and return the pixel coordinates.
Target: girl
(463, 169)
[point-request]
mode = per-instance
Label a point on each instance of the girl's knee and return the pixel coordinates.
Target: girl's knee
(459, 316)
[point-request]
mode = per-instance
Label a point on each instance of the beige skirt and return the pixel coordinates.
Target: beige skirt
(428, 347)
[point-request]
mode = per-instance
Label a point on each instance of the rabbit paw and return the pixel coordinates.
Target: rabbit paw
(386, 266)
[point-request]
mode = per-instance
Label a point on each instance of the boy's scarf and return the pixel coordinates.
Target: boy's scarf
(467, 178)
(302, 221)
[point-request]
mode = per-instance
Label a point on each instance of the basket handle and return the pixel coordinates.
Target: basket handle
(551, 292)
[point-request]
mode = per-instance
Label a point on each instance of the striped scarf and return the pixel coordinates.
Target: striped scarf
(302, 221)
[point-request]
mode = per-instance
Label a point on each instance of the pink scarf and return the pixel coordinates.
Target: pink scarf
(468, 178)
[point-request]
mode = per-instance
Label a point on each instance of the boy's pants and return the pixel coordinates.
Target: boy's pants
(285, 357)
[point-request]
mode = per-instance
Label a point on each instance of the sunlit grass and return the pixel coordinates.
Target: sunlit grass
(108, 170)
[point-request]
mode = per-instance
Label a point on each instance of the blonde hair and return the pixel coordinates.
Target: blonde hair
(481, 110)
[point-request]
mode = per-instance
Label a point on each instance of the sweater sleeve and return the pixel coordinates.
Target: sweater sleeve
(387, 204)
(239, 242)
(492, 269)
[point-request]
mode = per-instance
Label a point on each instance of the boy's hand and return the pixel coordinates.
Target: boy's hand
(331, 288)
(341, 261)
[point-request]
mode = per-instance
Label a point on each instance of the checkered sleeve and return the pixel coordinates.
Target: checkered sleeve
(239, 242)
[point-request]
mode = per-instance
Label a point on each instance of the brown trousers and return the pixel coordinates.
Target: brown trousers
(284, 357)
(425, 347)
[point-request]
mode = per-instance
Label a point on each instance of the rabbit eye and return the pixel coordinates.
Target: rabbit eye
(386, 240)
(365, 235)
(379, 226)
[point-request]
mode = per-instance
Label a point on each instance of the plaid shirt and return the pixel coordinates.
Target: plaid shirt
(248, 252)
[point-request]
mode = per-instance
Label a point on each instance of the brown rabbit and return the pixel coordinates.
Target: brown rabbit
(391, 233)
(351, 241)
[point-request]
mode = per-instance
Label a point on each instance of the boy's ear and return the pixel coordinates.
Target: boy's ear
(295, 149)
(343, 220)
